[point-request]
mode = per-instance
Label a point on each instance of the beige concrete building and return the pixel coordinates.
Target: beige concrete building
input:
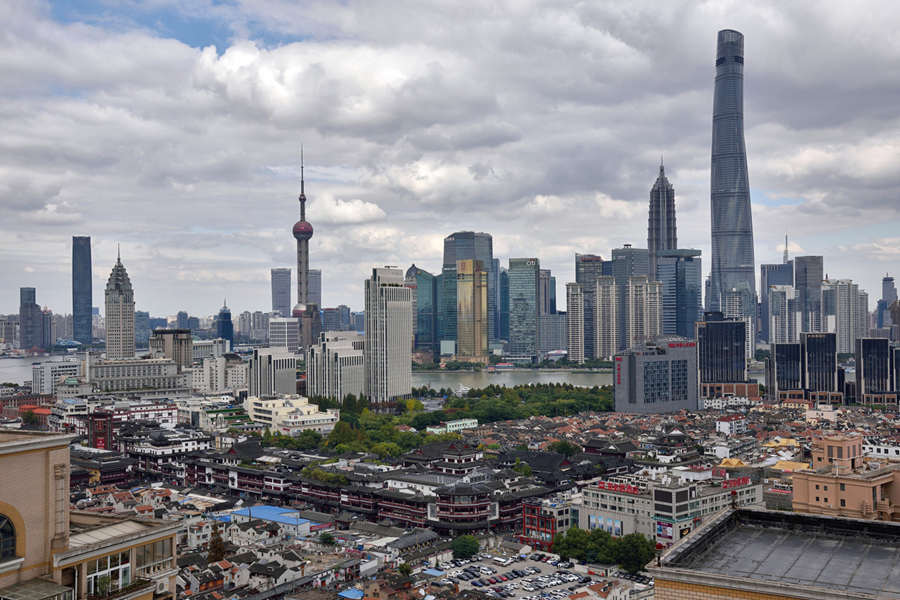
(471, 311)
(842, 483)
(290, 414)
(48, 552)
(119, 314)
(175, 344)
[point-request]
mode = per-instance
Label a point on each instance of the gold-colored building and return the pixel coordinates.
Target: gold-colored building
(50, 552)
(471, 311)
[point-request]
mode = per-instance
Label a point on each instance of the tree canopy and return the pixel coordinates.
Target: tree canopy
(465, 546)
(631, 552)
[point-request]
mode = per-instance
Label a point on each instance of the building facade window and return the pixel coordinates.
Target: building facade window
(110, 572)
(7, 539)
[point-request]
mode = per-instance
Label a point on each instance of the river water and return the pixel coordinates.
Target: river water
(18, 370)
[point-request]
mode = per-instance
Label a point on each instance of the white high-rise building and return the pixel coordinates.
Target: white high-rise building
(119, 314)
(575, 322)
(284, 333)
(388, 356)
(272, 371)
(784, 314)
(845, 312)
(335, 367)
(606, 310)
(644, 299)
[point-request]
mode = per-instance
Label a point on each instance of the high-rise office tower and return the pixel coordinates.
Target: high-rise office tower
(544, 292)
(224, 326)
(306, 309)
(661, 232)
(643, 298)
(47, 337)
(606, 317)
(467, 245)
(627, 262)
(588, 267)
(784, 315)
(873, 369)
(175, 344)
(272, 371)
(552, 295)
(181, 320)
(471, 309)
(82, 299)
(410, 282)
(315, 287)
(30, 320)
(769, 275)
(784, 370)
(119, 314)
(883, 316)
(388, 331)
(503, 309)
(721, 349)
(524, 284)
(808, 275)
(284, 332)
(335, 366)
(141, 328)
(281, 291)
(575, 323)
(426, 291)
(680, 274)
(818, 351)
(732, 222)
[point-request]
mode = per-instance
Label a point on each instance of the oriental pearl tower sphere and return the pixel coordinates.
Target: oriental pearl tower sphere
(303, 232)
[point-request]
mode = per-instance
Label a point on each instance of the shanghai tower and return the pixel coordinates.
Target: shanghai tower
(732, 272)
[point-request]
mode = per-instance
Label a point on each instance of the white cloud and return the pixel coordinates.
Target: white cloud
(334, 210)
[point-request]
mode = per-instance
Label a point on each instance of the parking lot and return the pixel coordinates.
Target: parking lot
(538, 577)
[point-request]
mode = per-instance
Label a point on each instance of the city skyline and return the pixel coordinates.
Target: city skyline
(819, 172)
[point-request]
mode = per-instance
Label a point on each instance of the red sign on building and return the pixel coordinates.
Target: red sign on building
(618, 487)
(735, 483)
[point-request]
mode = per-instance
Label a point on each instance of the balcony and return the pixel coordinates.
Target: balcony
(135, 589)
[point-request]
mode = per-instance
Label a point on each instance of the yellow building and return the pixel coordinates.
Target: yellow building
(471, 310)
(50, 552)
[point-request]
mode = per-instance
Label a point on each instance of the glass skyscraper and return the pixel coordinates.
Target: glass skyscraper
(503, 310)
(769, 275)
(680, 274)
(224, 326)
(588, 268)
(426, 335)
(468, 245)
(721, 349)
(524, 276)
(732, 267)
(82, 299)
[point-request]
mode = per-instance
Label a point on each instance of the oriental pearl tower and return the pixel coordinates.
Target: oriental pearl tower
(308, 314)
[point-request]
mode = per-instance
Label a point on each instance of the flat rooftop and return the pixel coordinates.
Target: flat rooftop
(849, 557)
(15, 440)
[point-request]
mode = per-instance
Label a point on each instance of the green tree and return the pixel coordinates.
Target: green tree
(405, 569)
(563, 447)
(634, 551)
(30, 419)
(522, 468)
(216, 550)
(464, 546)
(326, 538)
(386, 449)
(342, 433)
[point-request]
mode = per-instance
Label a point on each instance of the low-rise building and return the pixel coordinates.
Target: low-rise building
(732, 425)
(545, 519)
(290, 414)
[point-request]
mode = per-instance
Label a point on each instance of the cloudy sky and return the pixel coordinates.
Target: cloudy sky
(172, 128)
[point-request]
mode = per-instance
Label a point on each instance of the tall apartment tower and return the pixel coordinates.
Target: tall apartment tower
(732, 222)
(809, 271)
(588, 267)
(627, 262)
(643, 297)
(575, 322)
(661, 232)
(388, 332)
(524, 283)
(305, 310)
(606, 317)
(281, 291)
(119, 314)
(471, 310)
(81, 289)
